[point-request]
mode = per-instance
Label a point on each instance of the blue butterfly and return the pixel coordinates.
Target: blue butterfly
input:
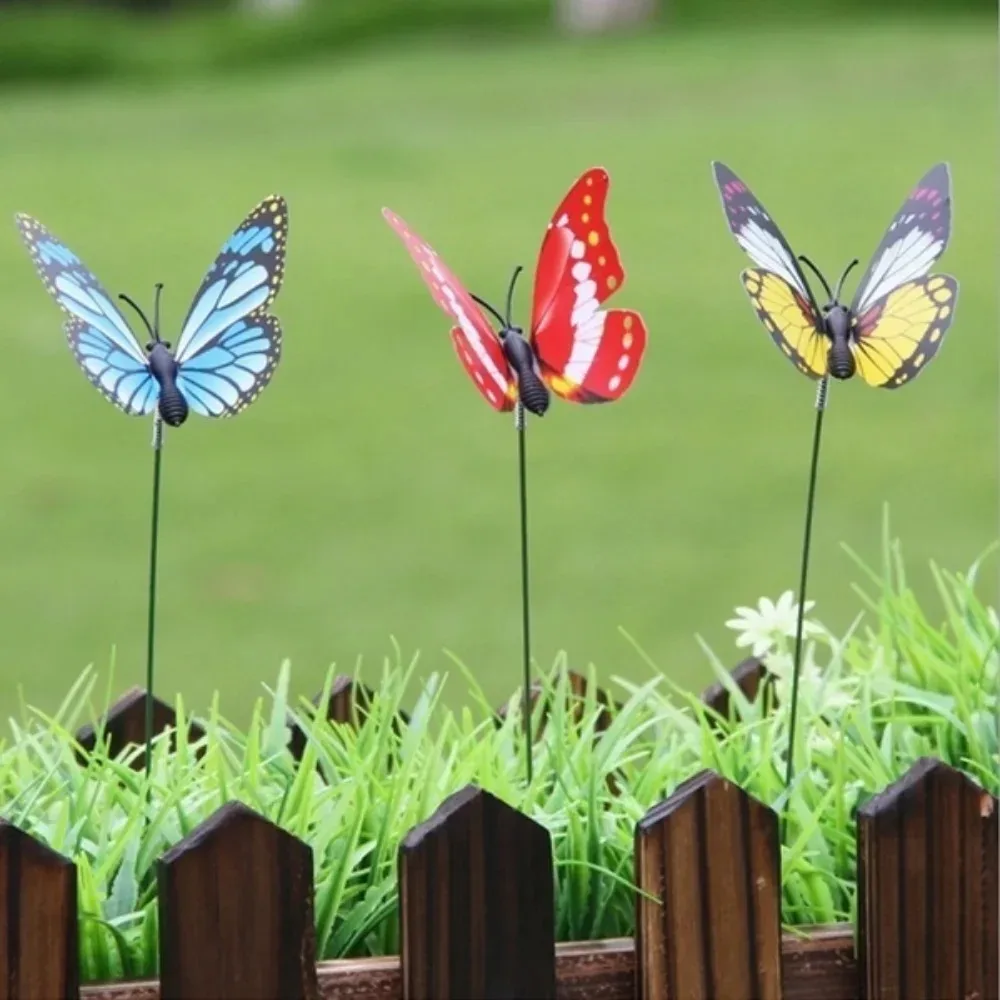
(228, 346)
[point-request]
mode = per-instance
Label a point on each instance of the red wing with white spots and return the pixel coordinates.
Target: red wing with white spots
(475, 342)
(585, 354)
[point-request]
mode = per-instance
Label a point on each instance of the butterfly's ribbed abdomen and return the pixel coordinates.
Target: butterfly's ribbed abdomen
(530, 388)
(173, 406)
(533, 393)
(841, 360)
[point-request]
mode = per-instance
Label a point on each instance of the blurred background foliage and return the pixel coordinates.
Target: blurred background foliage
(157, 39)
(370, 492)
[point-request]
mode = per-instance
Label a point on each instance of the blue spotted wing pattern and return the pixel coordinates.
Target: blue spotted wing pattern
(229, 346)
(98, 333)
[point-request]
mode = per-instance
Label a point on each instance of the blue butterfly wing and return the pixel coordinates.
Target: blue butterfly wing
(98, 334)
(75, 288)
(227, 376)
(245, 278)
(127, 383)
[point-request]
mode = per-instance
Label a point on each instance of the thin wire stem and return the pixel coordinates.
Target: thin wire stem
(151, 620)
(519, 424)
(821, 394)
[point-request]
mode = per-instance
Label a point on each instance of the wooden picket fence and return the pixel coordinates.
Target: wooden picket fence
(477, 910)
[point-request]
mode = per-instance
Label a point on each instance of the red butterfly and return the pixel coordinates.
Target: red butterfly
(582, 353)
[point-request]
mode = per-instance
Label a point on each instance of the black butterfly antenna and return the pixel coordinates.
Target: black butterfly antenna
(156, 312)
(486, 305)
(510, 291)
(142, 315)
(847, 271)
(819, 274)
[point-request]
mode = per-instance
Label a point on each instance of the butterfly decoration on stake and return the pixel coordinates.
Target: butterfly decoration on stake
(899, 314)
(575, 348)
(228, 345)
(227, 350)
(891, 330)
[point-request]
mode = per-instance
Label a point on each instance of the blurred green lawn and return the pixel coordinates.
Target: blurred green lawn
(370, 492)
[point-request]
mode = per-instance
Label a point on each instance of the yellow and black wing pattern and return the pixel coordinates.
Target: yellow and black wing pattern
(901, 313)
(899, 333)
(790, 319)
(777, 287)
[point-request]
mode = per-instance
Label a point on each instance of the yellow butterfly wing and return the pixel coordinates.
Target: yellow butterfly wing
(790, 320)
(901, 331)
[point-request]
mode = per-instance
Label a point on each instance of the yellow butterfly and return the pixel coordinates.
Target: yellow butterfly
(899, 314)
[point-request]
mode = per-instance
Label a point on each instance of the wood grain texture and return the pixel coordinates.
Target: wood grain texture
(236, 912)
(38, 920)
(748, 675)
(476, 903)
(125, 724)
(820, 967)
(710, 854)
(927, 888)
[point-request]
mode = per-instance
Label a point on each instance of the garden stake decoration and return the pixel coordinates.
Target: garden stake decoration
(575, 349)
(892, 328)
(227, 351)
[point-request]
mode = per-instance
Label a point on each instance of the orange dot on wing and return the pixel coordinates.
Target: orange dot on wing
(593, 238)
(587, 199)
(585, 218)
(612, 281)
(627, 323)
(602, 260)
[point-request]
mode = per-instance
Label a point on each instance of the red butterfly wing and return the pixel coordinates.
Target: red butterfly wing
(475, 342)
(586, 354)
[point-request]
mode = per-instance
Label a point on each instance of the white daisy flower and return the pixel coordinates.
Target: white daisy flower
(761, 629)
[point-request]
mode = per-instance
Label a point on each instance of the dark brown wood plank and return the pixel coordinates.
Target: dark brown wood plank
(125, 725)
(818, 967)
(476, 903)
(710, 852)
(38, 920)
(236, 912)
(927, 900)
(749, 675)
(596, 970)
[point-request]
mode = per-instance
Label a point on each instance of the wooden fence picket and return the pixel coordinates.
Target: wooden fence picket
(577, 686)
(476, 903)
(125, 725)
(748, 676)
(38, 920)
(710, 854)
(927, 888)
(236, 912)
